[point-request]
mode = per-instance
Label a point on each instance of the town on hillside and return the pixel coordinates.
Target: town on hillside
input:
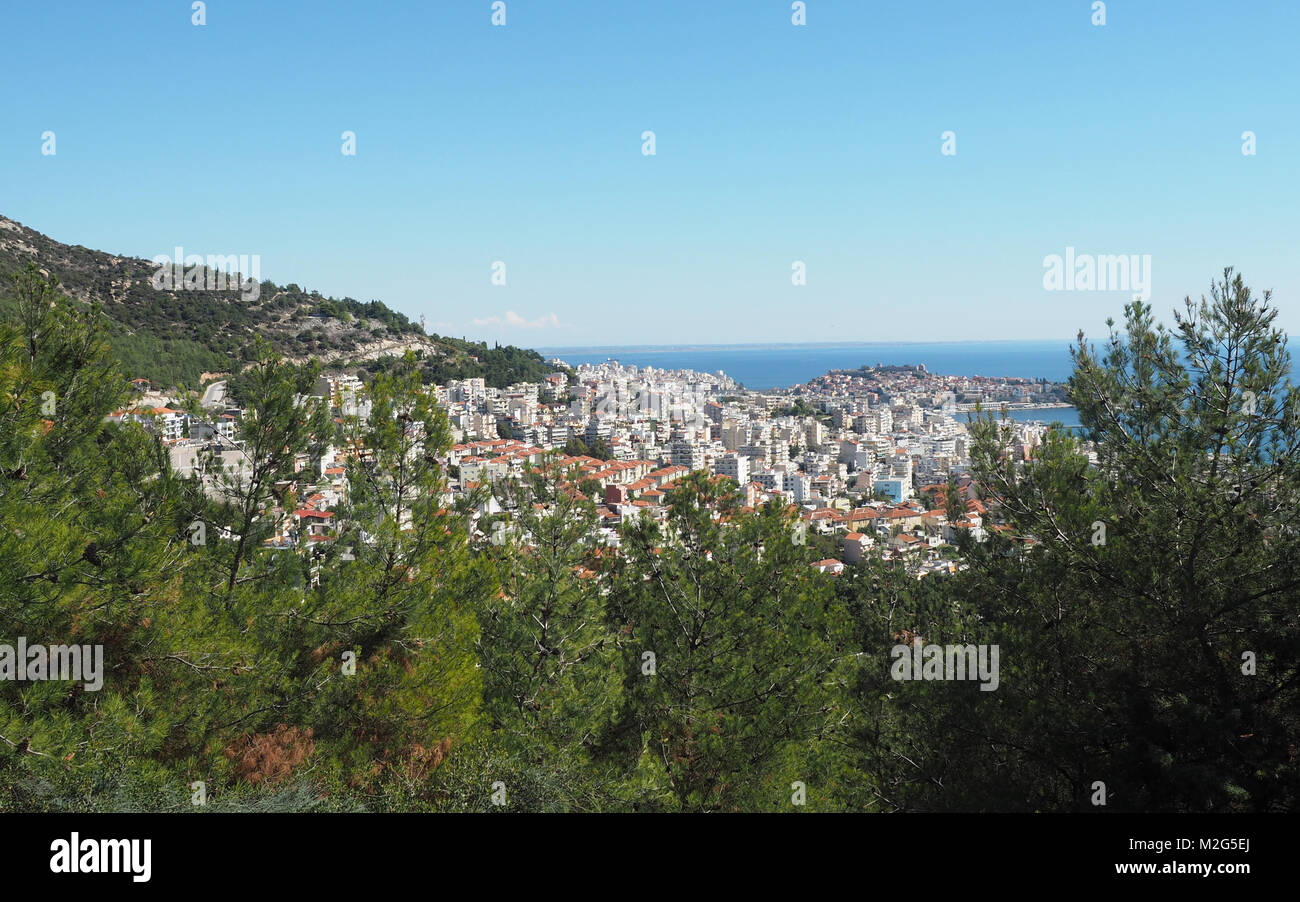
(866, 458)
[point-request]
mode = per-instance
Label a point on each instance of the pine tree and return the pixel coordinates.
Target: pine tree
(1144, 603)
(550, 662)
(731, 644)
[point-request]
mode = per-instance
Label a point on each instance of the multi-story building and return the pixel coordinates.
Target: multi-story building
(733, 465)
(687, 454)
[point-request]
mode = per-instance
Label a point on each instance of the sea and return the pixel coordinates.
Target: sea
(1066, 416)
(768, 366)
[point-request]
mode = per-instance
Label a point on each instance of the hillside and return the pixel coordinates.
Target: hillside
(172, 335)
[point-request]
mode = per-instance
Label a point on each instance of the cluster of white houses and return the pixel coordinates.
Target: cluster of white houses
(864, 462)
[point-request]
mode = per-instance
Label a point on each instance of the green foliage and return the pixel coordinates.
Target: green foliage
(86, 507)
(799, 408)
(747, 643)
(954, 507)
(499, 366)
(1127, 626)
(1143, 601)
(165, 361)
(599, 449)
(550, 658)
(172, 335)
(224, 661)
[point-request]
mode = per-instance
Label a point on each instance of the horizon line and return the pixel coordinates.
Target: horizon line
(788, 344)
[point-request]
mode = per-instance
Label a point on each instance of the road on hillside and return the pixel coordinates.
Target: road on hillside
(214, 395)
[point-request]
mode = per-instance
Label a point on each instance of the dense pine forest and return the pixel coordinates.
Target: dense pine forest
(703, 665)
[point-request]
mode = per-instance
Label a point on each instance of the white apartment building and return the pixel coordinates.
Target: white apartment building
(733, 465)
(799, 485)
(813, 433)
(687, 454)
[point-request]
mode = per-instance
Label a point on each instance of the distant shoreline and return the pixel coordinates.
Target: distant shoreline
(1017, 405)
(613, 350)
(775, 368)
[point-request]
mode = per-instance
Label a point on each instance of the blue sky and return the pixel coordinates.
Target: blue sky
(774, 143)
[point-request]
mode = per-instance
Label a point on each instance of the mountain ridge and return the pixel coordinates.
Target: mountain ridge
(174, 335)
